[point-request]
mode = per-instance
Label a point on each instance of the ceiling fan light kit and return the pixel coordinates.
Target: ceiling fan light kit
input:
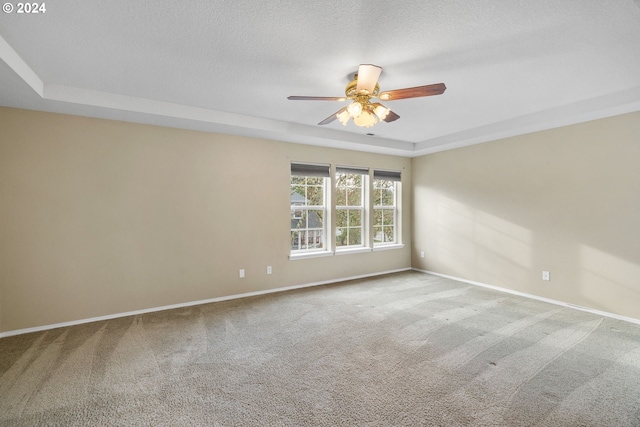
(361, 90)
(355, 109)
(380, 110)
(366, 119)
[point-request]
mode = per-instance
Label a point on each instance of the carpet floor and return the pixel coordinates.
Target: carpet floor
(405, 349)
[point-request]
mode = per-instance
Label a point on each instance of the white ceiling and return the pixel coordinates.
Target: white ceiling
(510, 66)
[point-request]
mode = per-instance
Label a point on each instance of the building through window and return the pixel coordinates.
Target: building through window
(308, 207)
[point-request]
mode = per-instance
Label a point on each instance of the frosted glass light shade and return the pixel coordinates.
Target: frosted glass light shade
(343, 116)
(354, 109)
(380, 110)
(365, 119)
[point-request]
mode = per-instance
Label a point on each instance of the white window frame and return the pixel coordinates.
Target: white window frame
(361, 207)
(395, 212)
(297, 207)
(330, 209)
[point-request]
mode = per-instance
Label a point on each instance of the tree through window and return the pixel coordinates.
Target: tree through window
(350, 212)
(385, 207)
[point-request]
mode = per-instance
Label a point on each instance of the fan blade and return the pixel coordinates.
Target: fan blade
(368, 78)
(413, 92)
(316, 98)
(332, 117)
(391, 117)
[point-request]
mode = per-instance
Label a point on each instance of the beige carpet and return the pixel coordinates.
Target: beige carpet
(407, 349)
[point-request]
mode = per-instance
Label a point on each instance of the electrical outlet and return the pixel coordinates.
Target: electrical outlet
(421, 254)
(242, 273)
(546, 276)
(269, 271)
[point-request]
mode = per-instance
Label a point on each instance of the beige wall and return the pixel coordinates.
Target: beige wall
(565, 200)
(101, 217)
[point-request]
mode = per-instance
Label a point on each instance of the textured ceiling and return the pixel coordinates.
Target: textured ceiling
(510, 67)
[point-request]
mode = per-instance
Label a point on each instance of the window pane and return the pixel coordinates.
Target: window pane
(342, 218)
(354, 197)
(315, 196)
(315, 239)
(387, 197)
(355, 218)
(311, 180)
(355, 236)
(348, 236)
(314, 219)
(384, 193)
(389, 234)
(341, 236)
(377, 217)
(341, 196)
(298, 223)
(297, 194)
(387, 217)
(295, 240)
(377, 234)
(353, 180)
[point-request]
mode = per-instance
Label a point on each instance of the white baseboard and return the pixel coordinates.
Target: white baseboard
(191, 303)
(536, 297)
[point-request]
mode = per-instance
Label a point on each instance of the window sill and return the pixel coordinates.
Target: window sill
(358, 250)
(307, 255)
(388, 247)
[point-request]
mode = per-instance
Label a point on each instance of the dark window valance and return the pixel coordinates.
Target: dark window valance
(352, 169)
(302, 169)
(386, 175)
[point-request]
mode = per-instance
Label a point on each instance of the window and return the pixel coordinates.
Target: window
(308, 207)
(350, 212)
(296, 213)
(385, 212)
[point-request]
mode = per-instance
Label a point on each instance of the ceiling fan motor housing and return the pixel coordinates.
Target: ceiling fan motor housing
(351, 89)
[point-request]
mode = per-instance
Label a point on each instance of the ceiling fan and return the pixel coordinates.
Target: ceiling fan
(361, 90)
